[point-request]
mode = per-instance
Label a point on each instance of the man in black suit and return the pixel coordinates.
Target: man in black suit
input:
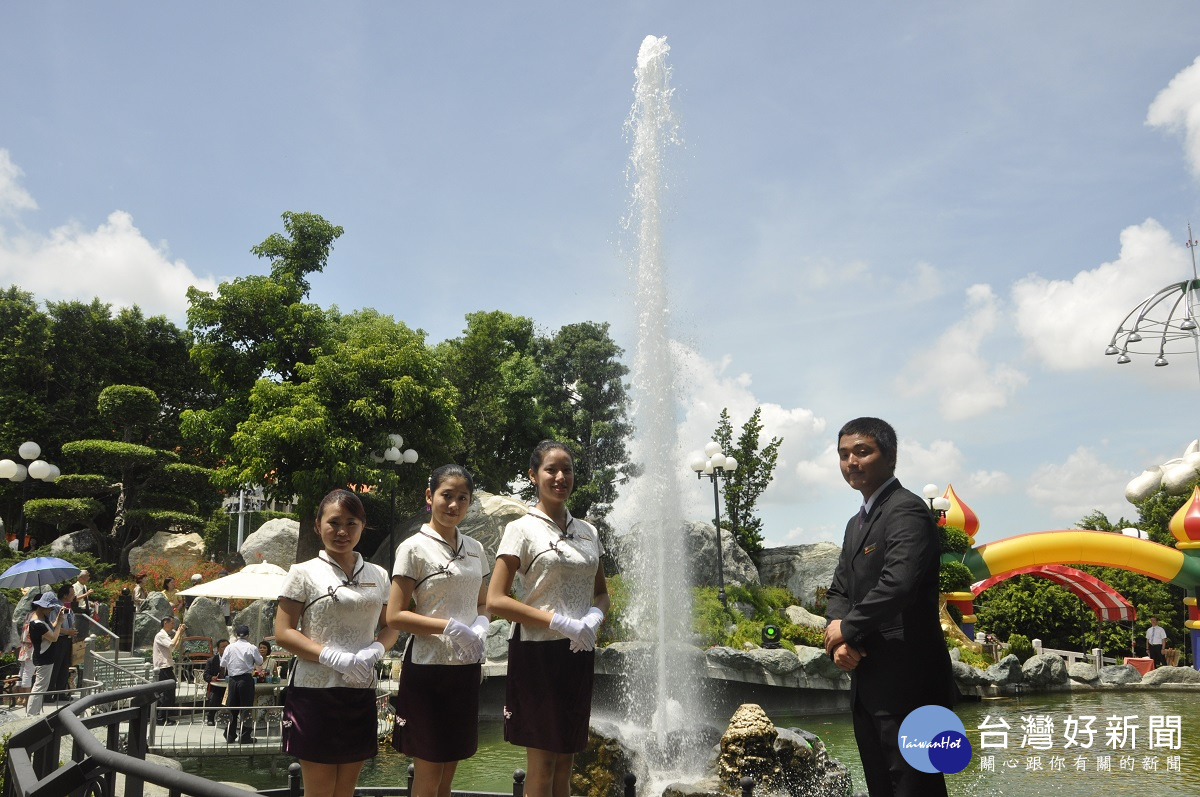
(883, 611)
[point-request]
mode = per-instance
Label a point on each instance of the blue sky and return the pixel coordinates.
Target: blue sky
(932, 212)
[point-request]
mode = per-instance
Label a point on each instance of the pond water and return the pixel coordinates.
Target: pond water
(1037, 761)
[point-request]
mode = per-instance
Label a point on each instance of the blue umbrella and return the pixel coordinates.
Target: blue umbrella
(38, 570)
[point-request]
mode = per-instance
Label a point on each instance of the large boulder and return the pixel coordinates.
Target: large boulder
(1006, 672)
(82, 541)
(798, 615)
(1083, 672)
(1171, 675)
(700, 540)
(495, 647)
(1119, 674)
(801, 569)
(260, 616)
(1048, 669)
(790, 762)
(145, 626)
(205, 618)
(181, 552)
(273, 542)
(966, 675)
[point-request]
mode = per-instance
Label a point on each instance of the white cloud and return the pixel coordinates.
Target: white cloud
(13, 197)
(705, 388)
(113, 262)
(1177, 109)
(968, 385)
(988, 482)
(1080, 485)
(1067, 324)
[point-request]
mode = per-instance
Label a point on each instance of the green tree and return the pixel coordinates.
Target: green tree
(494, 366)
(586, 408)
(753, 475)
(304, 437)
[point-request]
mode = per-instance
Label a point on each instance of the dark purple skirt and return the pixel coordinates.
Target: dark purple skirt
(437, 710)
(334, 725)
(548, 695)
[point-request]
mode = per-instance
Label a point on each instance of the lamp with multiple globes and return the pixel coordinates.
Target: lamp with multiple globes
(393, 457)
(714, 464)
(938, 503)
(37, 469)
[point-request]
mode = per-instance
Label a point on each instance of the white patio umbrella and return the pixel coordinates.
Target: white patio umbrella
(252, 582)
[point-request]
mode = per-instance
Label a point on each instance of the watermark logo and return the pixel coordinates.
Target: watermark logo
(933, 739)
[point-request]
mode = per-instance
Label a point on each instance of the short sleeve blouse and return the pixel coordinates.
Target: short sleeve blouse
(557, 571)
(341, 610)
(447, 585)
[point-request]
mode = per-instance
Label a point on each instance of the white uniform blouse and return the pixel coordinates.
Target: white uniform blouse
(341, 610)
(447, 585)
(558, 569)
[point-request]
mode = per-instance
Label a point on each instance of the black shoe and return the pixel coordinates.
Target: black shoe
(209, 722)
(247, 740)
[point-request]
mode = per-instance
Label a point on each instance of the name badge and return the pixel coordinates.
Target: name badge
(868, 548)
(367, 584)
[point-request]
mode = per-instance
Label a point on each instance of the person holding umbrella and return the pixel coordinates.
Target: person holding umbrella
(43, 632)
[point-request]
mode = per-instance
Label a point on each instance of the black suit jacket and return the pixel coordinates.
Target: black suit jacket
(885, 592)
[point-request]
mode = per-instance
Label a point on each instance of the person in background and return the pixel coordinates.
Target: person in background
(332, 616)
(25, 656)
(172, 595)
(140, 596)
(1156, 637)
(438, 596)
(164, 670)
(43, 631)
(239, 661)
(263, 670)
(214, 694)
(197, 580)
(61, 652)
(563, 599)
(83, 594)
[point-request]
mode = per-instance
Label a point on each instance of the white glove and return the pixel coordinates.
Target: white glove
(587, 637)
(481, 626)
(339, 660)
(468, 648)
(571, 628)
(364, 665)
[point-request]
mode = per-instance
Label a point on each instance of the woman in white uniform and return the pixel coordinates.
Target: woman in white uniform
(329, 610)
(563, 601)
(438, 597)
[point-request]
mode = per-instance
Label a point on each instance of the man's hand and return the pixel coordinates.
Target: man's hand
(833, 636)
(847, 658)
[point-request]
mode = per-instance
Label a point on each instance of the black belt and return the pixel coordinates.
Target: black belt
(243, 675)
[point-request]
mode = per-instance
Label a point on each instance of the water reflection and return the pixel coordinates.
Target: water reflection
(491, 768)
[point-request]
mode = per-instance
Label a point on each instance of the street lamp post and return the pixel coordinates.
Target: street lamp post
(393, 457)
(938, 504)
(16, 472)
(714, 464)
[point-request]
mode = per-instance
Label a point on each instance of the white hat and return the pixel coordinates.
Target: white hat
(197, 577)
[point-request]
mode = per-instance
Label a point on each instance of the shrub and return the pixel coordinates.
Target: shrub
(954, 577)
(954, 539)
(1020, 646)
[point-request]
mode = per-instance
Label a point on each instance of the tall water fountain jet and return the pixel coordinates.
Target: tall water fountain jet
(664, 688)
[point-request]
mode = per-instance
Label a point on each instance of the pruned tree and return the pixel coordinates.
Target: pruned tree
(756, 466)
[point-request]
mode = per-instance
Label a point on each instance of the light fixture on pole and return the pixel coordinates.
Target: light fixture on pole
(37, 469)
(938, 503)
(714, 464)
(394, 457)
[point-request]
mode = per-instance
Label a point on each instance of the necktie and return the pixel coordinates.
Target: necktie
(862, 516)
